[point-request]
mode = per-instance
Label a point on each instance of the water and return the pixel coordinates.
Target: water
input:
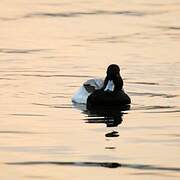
(48, 49)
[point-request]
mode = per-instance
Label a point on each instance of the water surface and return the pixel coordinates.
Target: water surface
(48, 49)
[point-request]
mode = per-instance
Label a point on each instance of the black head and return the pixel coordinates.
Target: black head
(112, 71)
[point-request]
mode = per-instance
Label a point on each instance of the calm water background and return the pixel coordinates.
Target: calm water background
(48, 48)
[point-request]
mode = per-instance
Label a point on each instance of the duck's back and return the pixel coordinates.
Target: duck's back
(86, 89)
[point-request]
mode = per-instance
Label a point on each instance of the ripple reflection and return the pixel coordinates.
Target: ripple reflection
(98, 164)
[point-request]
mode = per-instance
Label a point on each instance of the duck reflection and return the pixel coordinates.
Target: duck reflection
(112, 117)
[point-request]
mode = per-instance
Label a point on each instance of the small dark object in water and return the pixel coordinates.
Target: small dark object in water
(112, 134)
(111, 165)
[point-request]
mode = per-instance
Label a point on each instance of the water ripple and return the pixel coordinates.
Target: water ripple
(152, 174)
(153, 94)
(115, 39)
(62, 106)
(16, 132)
(98, 164)
(50, 75)
(27, 114)
(173, 111)
(7, 79)
(95, 12)
(7, 19)
(144, 83)
(21, 51)
(154, 107)
(176, 28)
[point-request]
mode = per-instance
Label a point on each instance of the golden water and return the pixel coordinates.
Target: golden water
(48, 49)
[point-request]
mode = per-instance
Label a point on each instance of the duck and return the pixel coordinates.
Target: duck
(108, 93)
